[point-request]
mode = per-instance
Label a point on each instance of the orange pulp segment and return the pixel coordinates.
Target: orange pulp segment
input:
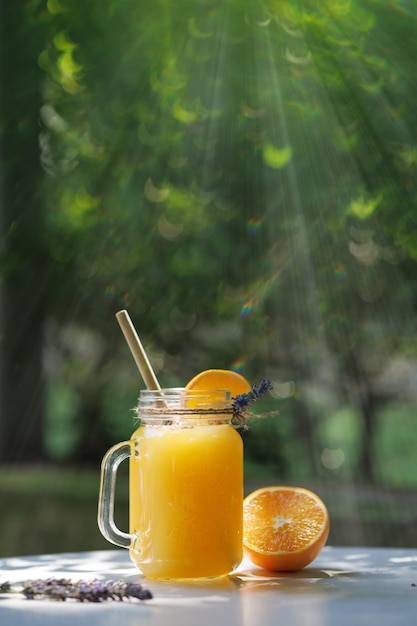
(216, 379)
(284, 528)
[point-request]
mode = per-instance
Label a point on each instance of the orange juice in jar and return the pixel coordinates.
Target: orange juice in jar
(186, 486)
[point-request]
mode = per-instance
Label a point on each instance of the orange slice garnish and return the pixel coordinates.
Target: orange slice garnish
(284, 528)
(212, 382)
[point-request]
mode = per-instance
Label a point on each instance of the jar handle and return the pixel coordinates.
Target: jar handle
(105, 518)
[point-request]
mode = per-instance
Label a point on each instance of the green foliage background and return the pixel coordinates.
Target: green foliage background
(241, 176)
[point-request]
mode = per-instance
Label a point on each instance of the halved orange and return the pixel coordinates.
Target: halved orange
(214, 380)
(284, 528)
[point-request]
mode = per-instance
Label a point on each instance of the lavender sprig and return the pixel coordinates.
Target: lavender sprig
(83, 591)
(241, 402)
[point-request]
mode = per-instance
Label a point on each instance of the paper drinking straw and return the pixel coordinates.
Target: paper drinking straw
(137, 350)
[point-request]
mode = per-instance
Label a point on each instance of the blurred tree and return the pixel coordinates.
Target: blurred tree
(23, 250)
(225, 171)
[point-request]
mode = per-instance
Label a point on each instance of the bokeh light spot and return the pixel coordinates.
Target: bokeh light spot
(332, 458)
(155, 194)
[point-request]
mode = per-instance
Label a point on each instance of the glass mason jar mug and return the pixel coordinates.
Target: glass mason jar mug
(185, 486)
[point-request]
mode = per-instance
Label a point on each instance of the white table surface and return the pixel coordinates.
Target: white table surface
(344, 586)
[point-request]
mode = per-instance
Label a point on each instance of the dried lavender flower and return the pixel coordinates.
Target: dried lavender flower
(241, 402)
(62, 589)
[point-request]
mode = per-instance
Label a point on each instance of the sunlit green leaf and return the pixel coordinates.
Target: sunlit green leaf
(44, 61)
(55, 7)
(67, 66)
(276, 158)
(69, 72)
(62, 41)
(363, 208)
(182, 114)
